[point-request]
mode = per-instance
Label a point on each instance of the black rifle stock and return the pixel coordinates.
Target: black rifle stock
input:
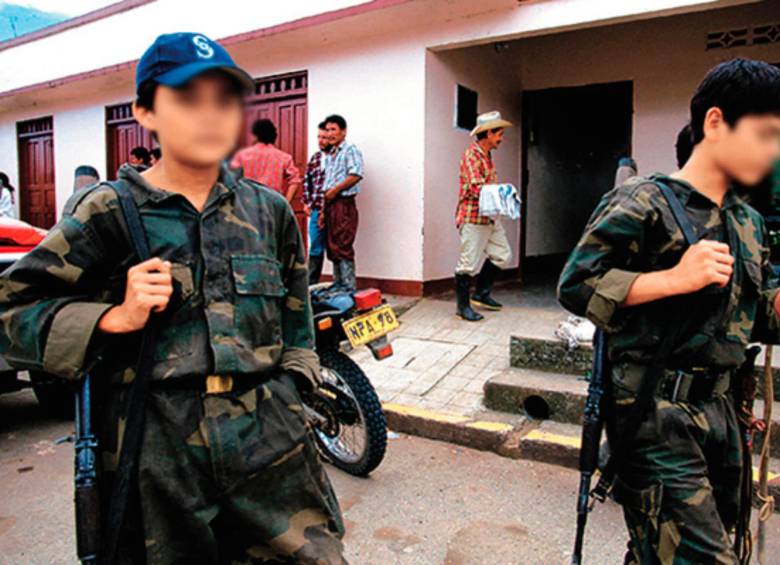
(592, 426)
(86, 498)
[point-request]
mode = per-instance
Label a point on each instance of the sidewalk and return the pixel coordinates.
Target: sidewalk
(434, 384)
(442, 362)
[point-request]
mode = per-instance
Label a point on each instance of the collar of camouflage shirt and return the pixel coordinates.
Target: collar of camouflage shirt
(685, 191)
(143, 191)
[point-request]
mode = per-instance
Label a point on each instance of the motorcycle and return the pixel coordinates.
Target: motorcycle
(349, 424)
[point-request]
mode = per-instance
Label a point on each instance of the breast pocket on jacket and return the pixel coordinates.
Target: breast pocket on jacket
(260, 290)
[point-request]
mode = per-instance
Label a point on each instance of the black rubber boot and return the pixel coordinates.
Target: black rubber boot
(465, 311)
(485, 280)
(315, 268)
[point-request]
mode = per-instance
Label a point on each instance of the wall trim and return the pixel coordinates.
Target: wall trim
(308, 21)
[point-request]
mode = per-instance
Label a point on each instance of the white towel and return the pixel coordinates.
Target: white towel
(499, 200)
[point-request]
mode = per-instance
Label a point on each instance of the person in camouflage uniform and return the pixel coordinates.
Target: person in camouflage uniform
(228, 470)
(633, 275)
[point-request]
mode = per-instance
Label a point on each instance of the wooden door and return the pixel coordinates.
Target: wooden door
(36, 172)
(123, 133)
(282, 99)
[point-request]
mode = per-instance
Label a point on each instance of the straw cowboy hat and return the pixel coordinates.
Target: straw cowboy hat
(490, 120)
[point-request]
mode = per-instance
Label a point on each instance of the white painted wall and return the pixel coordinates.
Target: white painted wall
(372, 69)
(9, 158)
(665, 58)
(79, 139)
(483, 70)
(124, 37)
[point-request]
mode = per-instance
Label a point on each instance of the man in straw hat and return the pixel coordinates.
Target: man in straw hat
(479, 233)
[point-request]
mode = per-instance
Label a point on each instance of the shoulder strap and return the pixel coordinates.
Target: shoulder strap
(132, 218)
(654, 372)
(139, 391)
(679, 213)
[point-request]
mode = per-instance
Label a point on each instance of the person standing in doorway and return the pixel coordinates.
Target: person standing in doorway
(312, 202)
(263, 162)
(343, 176)
(479, 234)
(7, 200)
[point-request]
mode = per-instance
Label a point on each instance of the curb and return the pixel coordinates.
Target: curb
(528, 440)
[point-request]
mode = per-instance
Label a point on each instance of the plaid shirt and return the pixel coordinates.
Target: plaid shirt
(476, 170)
(343, 161)
(313, 193)
(267, 165)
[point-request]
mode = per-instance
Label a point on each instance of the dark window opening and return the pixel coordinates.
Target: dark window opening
(465, 108)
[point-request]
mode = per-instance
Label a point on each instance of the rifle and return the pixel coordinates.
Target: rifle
(592, 426)
(87, 497)
(744, 393)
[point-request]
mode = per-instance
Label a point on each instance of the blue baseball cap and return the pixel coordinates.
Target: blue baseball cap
(176, 58)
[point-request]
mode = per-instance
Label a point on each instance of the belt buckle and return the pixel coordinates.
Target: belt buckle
(217, 384)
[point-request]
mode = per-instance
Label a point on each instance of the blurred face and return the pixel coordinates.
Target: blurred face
(748, 150)
(197, 124)
(323, 139)
(133, 160)
(335, 134)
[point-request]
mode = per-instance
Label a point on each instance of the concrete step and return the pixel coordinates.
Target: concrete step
(552, 355)
(541, 395)
(537, 394)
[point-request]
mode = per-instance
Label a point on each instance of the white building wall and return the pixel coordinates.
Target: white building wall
(9, 158)
(374, 73)
(377, 85)
(482, 70)
(79, 139)
(665, 58)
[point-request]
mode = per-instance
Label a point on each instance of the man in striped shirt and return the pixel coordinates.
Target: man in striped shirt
(264, 163)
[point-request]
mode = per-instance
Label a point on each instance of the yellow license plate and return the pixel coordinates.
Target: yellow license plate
(371, 326)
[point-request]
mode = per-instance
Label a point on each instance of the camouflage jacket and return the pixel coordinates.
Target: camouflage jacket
(240, 303)
(633, 231)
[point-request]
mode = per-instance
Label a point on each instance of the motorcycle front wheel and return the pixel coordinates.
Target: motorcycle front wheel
(356, 446)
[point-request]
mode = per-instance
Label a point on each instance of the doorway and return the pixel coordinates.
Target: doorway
(35, 139)
(572, 140)
(123, 134)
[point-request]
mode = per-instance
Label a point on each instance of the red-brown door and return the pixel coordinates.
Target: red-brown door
(123, 134)
(282, 99)
(36, 172)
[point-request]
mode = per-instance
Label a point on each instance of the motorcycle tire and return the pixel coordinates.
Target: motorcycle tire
(373, 416)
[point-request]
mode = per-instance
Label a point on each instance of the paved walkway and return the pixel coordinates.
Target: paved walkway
(442, 362)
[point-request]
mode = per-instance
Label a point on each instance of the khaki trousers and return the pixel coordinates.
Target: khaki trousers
(476, 239)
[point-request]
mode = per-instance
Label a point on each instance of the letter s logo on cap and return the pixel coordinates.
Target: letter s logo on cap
(202, 47)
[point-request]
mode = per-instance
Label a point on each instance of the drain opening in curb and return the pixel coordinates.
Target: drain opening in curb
(536, 407)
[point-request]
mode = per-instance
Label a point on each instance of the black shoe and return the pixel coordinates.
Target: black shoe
(465, 311)
(485, 281)
(485, 301)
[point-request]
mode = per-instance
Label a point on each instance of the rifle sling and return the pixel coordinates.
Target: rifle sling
(655, 370)
(136, 404)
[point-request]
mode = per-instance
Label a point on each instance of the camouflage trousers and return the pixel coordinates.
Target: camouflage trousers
(679, 487)
(229, 478)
